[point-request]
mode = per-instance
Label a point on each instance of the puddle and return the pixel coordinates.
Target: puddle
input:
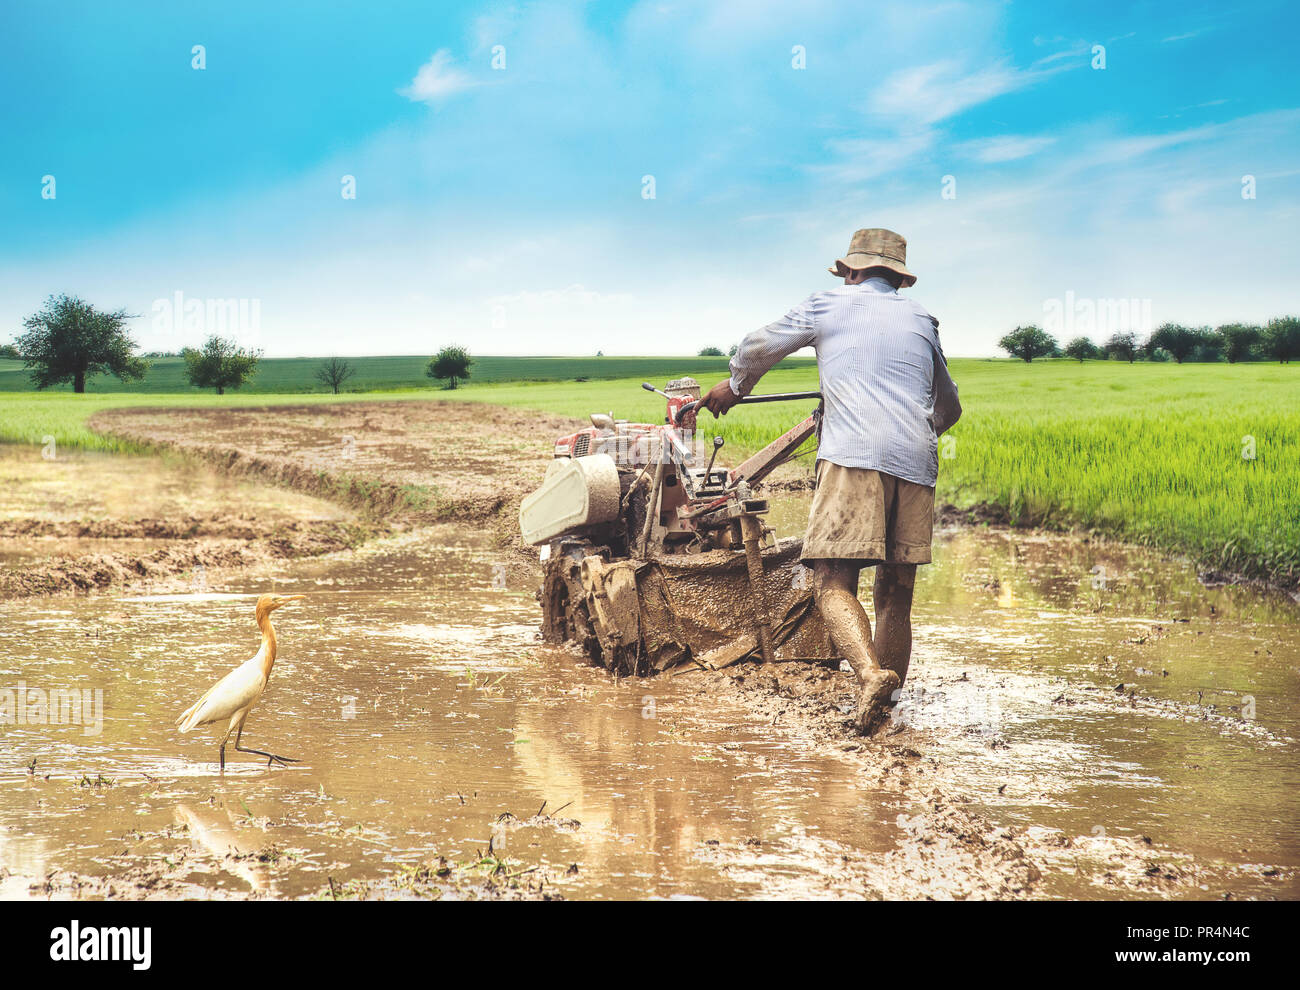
(412, 685)
(1114, 694)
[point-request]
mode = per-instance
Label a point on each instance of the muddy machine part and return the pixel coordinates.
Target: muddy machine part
(655, 556)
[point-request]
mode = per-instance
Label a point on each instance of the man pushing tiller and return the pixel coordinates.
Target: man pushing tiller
(888, 398)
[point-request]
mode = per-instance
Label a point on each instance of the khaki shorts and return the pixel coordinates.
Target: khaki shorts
(859, 514)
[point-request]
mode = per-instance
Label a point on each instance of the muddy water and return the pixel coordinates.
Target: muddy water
(1119, 695)
(412, 686)
(1104, 691)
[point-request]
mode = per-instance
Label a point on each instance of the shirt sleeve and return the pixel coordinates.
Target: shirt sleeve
(947, 406)
(763, 348)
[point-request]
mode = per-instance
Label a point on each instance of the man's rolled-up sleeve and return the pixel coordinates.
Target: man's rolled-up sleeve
(763, 348)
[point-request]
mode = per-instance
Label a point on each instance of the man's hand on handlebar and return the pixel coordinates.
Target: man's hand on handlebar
(720, 398)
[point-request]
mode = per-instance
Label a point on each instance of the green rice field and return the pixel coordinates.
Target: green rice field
(281, 375)
(1195, 458)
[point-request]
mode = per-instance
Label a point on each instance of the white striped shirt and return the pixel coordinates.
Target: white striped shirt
(883, 375)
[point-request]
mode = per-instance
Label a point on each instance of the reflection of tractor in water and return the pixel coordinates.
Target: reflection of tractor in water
(652, 559)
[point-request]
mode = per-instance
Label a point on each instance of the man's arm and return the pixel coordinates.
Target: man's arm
(947, 407)
(758, 352)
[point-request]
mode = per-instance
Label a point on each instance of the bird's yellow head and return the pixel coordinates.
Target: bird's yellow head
(269, 603)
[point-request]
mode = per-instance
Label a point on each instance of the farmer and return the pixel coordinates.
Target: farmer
(888, 398)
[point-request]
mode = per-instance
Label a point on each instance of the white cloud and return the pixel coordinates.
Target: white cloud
(1187, 195)
(1127, 148)
(563, 299)
(436, 80)
(935, 92)
(1005, 148)
(917, 100)
(864, 159)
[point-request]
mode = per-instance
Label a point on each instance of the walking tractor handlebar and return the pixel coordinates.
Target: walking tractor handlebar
(692, 405)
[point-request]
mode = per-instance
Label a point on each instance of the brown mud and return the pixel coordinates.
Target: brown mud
(84, 521)
(948, 849)
(1075, 724)
(391, 466)
(436, 729)
(407, 462)
(195, 849)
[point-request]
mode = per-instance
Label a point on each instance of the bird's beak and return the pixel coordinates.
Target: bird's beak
(287, 599)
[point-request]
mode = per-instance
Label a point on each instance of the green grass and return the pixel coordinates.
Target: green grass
(30, 417)
(166, 376)
(1153, 453)
(1148, 452)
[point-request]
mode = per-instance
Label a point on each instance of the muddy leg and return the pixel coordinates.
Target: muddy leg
(835, 591)
(893, 603)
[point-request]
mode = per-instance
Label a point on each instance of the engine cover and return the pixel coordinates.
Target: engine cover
(577, 493)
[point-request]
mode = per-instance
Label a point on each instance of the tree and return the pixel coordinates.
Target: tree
(1153, 352)
(334, 372)
(1209, 345)
(450, 363)
(1281, 338)
(1028, 343)
(70, 340)
(1239, 341)
(710, 352)
(219, 364)
(731, 351)
(1123, 345)
(1178, 340)
(9, 352)
(1082, 349)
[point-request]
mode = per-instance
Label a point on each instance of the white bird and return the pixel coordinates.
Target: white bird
(235, 694)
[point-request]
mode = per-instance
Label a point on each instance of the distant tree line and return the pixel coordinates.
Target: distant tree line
(717, 351)
(1278, 340)
(69, 340)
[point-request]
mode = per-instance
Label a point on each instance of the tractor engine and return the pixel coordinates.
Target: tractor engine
(655, 555)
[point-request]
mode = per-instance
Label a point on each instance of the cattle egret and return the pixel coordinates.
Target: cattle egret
(234, 696)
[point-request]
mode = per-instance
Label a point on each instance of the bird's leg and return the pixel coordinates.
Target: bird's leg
(282, 760)
(223, 756)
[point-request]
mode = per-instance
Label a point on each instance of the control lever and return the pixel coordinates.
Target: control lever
(717, 446)
(682, 411)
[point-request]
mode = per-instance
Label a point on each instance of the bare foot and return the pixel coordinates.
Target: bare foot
(874, 702)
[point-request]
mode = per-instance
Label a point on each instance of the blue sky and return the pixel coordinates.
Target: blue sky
(503, 208)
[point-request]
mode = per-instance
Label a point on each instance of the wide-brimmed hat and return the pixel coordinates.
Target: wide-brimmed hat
(875, 247)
